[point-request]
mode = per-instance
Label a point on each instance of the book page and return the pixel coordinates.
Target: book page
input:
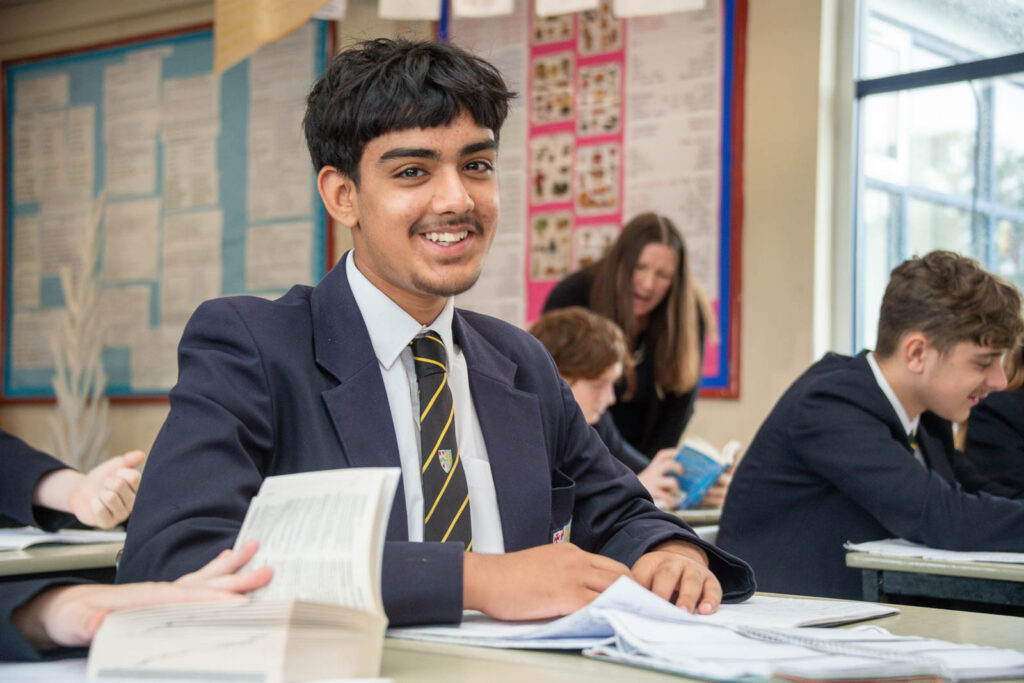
(322, 533)
(897, 547)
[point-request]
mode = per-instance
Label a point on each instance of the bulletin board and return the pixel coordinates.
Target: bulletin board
(617, 117)
(204, 182)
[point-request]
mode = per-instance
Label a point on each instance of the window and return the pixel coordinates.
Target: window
(940, 140)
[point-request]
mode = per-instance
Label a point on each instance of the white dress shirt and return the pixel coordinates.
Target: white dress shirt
(391, 329)
(909, 426)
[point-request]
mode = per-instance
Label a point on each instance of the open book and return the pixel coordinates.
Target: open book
(321, 616)
(752, 641)
(702, 465)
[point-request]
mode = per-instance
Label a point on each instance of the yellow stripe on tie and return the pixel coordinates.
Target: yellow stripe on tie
(437, 393)
(441, 494)
(470, 546)
(431, 361)
(437, 339)
(444, 431)
(457, 515)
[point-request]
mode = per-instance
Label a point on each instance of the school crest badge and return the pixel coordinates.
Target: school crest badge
(444, 456)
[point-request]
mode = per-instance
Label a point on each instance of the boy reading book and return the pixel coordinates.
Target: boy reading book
(590, 353)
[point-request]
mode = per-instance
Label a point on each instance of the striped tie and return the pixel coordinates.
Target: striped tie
(445, 494)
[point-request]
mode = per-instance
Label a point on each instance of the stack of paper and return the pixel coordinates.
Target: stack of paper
(757, 639)
(897, 547)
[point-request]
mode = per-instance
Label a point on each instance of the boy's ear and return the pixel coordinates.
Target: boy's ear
(915, 347)
(339, 194)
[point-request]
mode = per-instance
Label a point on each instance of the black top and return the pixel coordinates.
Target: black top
(648, 421)
(21, 466)
(995, 441)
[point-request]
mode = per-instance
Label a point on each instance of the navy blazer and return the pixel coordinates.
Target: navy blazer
(273, 387)
(21, 467)
(831, 464)
(995, 442)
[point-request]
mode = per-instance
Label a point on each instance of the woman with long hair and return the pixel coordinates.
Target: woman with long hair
(645, 285)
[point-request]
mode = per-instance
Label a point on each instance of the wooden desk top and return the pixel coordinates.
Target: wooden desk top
(58, 558)
(998, 571)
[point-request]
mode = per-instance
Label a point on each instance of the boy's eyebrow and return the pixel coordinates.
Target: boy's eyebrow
(406, 152)
(433, 154)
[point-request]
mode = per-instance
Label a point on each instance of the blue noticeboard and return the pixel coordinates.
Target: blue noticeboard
(206, 183)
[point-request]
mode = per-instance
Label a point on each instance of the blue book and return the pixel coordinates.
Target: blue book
(700, 472)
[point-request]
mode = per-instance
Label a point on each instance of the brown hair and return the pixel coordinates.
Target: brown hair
(950, 299)
(674, 326)
(583, 344)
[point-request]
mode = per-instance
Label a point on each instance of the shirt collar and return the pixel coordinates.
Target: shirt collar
(391, 328)
(909, 426)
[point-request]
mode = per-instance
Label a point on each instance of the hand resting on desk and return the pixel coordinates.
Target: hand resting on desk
(558, 579)
(69, 616)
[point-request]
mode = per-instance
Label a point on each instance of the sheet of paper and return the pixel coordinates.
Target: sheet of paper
(124, 313)
(897, 547)
(547, 8)
(427, 10)
(81, 147)
(30, 338)
(673, 128)
(192, 269)
(63, 220)
(154, 358)
(644, 8)
(40, 94)
(482, 8)
(278, 255)
(27, 262)
(131, 247)
(242, 26)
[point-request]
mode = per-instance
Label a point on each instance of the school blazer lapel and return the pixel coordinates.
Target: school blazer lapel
(513, 433)
(358, 404)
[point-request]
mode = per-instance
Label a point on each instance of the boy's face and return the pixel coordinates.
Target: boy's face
(954, 383)
(425, 212)
(595, 395)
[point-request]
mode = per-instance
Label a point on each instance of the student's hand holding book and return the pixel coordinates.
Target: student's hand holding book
(657, 478)
(715, 497)
(69, 616)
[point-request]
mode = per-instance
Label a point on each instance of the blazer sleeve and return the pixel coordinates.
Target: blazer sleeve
(21, 468)
(208, 459)
(619, 447)
(13, 646)
(613, 514)
(855, 450)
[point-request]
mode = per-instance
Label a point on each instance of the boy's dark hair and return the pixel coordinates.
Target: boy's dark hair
(951, 299)
(384, 85)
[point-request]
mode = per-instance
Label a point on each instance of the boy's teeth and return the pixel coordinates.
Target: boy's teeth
(447, 237)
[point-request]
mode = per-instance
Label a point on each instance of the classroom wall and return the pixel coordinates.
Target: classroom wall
(782, 186)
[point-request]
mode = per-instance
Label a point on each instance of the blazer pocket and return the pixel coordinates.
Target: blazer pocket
(563, 499)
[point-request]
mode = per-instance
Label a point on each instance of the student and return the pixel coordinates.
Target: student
(39, 490)
(994, 445)
(861, 448)
(46, 616)
(590, 354)
(645, 285)
(404, 137)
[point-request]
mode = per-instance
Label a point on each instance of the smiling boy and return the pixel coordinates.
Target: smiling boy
(404, 138)
(861, 448)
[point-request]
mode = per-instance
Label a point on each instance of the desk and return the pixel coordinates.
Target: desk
(97, 557)
(699, 516)
(888, 579)
(406, 660)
